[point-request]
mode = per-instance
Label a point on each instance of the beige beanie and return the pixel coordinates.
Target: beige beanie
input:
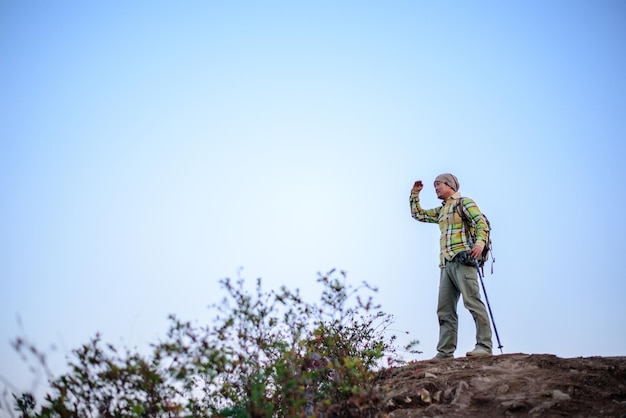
(449, 179)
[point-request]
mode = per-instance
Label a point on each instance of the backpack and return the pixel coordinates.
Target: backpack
(484, 256)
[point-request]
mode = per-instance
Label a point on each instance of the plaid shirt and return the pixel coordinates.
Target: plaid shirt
(454, 237)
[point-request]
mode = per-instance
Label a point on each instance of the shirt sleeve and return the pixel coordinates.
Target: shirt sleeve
(477, 219)
(422, 215)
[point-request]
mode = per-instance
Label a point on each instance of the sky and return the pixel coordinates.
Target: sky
(150, 149)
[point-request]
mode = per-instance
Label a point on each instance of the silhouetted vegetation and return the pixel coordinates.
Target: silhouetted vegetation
(266, 354)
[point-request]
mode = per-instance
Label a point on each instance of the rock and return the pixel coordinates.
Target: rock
(560, 396)
(507, 385)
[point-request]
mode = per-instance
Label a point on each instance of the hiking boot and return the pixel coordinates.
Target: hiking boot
(440, 356)
(478, 352)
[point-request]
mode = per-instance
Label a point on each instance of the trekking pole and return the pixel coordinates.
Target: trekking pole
(488, 305)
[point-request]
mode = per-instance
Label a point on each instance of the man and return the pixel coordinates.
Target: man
(456, 260)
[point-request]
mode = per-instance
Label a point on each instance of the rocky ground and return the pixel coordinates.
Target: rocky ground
(534, 385)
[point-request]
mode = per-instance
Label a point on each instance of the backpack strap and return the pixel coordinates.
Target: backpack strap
(487, 250)
(459, 209)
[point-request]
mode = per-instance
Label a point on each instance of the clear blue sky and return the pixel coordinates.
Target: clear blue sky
(149, 149)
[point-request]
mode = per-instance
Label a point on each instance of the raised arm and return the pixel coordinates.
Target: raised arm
(419, 214)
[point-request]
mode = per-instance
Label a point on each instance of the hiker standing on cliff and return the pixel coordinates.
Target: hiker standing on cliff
(459, 276)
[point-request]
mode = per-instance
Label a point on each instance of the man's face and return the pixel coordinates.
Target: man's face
(443, 190)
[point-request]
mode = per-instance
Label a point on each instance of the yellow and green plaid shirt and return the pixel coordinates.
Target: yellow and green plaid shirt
(454, 237)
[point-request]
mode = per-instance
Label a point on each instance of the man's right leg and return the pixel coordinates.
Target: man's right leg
(446, 312)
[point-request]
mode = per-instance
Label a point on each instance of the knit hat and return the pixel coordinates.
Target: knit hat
(449, 179)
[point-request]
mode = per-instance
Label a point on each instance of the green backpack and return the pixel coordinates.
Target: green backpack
(484, 256)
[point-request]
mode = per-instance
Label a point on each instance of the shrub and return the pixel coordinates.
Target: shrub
(266, 354)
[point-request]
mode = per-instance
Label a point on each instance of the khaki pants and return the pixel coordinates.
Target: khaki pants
(456, 280)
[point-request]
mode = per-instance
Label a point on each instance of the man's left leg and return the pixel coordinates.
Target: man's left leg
(468, 283)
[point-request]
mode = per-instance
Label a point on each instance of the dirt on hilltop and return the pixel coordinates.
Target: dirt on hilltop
(516, 385)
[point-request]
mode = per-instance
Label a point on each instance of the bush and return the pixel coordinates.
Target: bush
(266, 354)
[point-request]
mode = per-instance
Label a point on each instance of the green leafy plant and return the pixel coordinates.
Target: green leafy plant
(266, 354)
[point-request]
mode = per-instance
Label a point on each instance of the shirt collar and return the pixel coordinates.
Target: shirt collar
(452, 198)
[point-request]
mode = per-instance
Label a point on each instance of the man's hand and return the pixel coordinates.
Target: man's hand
(476, 251)
(417, 186)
